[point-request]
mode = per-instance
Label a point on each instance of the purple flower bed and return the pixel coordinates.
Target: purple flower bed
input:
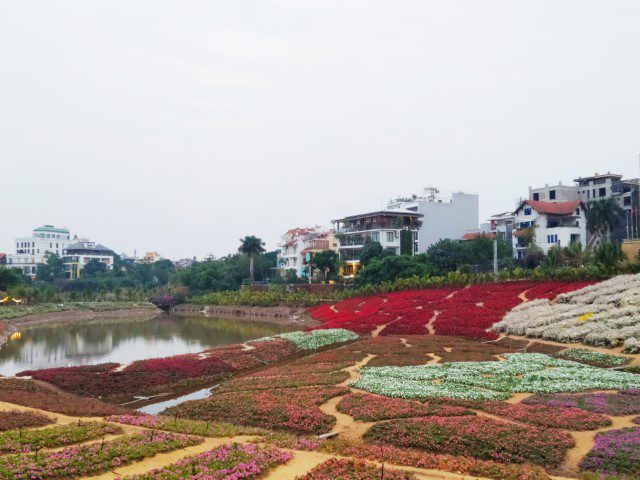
(616, 452)
(626, 402)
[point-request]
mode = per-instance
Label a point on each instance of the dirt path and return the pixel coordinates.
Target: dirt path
(523, 296)
(376, 332)
(434, 359)
(431, 321)
(584, 443)
(405, 343)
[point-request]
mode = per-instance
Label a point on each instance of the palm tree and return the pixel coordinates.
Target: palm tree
(603, 216)
(251, 246)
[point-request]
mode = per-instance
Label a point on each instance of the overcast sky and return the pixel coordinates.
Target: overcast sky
(180, 126)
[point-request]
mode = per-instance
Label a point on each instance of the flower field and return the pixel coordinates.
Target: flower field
(468, 312)
(521, 372)
(591, 357)
(477, 437)
(616, 452)
(13, 419)
(605, 314)
(626, 402)
(354, 470)
(188, 427)
(229, 462)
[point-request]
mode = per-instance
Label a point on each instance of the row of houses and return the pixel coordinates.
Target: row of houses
(550, 216)
(75, 252)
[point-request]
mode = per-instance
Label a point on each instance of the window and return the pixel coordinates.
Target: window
(602, 191)
(627, 201)
(390, 236)
(536, 197)
(593, 192)
(552, 239)
(527, 210)
(578, 211)
(552, 194)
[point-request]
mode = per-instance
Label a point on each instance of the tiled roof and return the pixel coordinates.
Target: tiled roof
(473, 235)
(552, 208)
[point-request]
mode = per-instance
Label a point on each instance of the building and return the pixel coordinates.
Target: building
(502, 225)
(298, 245)
(3, 258)
(554, 193)
(383, 226)
(150, 257)
(442, 215)
(547, 224)
(79, 253)
(185, 262)
(30, 251)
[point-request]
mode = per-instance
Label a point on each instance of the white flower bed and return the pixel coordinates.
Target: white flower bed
(605, 314)
(315, 339)
(521, 372)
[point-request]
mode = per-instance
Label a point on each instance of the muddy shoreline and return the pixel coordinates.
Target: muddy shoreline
(285, 313)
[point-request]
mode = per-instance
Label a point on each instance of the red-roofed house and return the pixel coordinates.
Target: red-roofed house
(546, 224)
(298, 246)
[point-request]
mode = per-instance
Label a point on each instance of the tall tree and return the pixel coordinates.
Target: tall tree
(251, 246)
(52, 269)
(326, 261)
(603, 216)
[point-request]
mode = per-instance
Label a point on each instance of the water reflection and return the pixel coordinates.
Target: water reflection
(124, 340)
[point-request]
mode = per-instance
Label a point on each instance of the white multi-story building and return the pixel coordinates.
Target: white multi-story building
(443, 215)
(502, 225)
(81, 252)
(548, 224)
(30, 251)
(298, 246)
(382, 226)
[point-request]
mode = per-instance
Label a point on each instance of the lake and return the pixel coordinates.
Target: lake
(124, 340)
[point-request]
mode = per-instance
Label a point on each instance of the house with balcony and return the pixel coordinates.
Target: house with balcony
(547, 224)
(298, 246)
(78, 254)
(383, 226)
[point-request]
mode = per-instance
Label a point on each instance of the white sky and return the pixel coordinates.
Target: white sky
(180, 126)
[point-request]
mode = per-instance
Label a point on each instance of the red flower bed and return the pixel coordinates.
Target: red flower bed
(293, 410)
(335, 468)
(445, 462)
(373, 408)
(475, 436)
(467, 312)
(290, 380)
(41, 396)
(13, 419)
(567, 418)
(187, 366)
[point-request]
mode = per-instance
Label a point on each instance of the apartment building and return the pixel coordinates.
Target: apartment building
(298, 246)
(30, 251)
(443, 215)
(78, 254)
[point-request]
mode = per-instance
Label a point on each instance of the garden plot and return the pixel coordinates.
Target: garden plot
(606, 314)
(521, 372)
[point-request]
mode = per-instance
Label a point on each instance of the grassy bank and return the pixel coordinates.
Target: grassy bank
(9, 312)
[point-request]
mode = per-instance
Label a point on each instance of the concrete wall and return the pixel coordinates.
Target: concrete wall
(447, 220)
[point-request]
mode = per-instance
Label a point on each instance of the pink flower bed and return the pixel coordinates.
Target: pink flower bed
(467, 312)
(334, 469)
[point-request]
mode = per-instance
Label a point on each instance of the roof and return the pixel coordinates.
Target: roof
(51, 228)
(301, 231)
(473, 235)
(393, 212)
(552, 208)
(598, 175)
(88, 246)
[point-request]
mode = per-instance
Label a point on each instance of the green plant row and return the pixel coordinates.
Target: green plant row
(10, 312)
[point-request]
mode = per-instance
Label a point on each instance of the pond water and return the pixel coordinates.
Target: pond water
(124, 340)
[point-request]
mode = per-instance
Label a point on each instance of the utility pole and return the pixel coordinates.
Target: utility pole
(495, 256)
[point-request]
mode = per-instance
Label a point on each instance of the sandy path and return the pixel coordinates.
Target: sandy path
(405, 343)
(431, 321)
(434, 359)
(376, 332)
(523, 296)
(585, 441)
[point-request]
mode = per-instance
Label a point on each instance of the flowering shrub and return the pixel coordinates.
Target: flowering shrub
(188, 427)
(624, 403)
(74, 462)
(442, 461)
(258, 382)
(567, 418)
(12, 419)
(228, 462)
(37, 395)
(521, 372)
(287, 409)
(605, 314)
(592, 357)
(315, 339)
(479, 437)
(353, 470)
(29, 440)
(615, 452)
(370, 408)
(189, 366)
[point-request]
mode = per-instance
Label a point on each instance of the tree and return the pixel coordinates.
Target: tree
(10, 277)
(604, 216)
(406, 242)
(327, 262)
(93, 267)
(369, 251)
(251, 246)
(392, 268)
(52, 269)
(446, 256)
(610, 254)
